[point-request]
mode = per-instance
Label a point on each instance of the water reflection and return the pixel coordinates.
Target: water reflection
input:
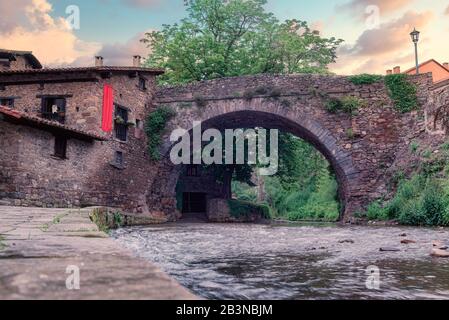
(302, 262)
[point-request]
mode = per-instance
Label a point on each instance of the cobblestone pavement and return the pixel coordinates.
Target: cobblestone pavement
(41, 249)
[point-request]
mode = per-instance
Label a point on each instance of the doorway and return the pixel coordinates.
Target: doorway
(194, 202)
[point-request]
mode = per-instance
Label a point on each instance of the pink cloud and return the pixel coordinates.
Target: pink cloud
(28, 25)
(117, 54)
(379, 49)
(358, 7)
(389, 37)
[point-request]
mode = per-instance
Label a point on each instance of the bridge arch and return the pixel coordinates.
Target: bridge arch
(295, 104)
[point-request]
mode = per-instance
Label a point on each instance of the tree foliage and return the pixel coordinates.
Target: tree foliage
(233, 38)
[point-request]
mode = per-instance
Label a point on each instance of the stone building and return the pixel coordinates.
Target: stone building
(53, 151)
(18, 60)
(439, 71)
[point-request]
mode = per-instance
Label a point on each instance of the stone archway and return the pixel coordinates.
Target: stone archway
(360, 148)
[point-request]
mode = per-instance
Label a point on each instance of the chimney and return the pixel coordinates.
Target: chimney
(397, 70)
(389, 72)
(446, 65)
(136, 61)
(98, 61)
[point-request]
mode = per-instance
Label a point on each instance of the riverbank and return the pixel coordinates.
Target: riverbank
(42, 249)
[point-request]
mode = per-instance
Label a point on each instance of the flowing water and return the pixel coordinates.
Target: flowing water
(231, 261)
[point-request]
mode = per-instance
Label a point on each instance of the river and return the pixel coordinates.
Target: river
(255, 261)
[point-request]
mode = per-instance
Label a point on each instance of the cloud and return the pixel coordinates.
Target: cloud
(447, 11)
(118, 54)
(11, 14)
(378, 49)
(142, 3)
(28, 25)
(358, 7)
(389, 37)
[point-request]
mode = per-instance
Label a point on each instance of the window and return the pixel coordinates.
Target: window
(121, 123)
(119, 159)
(60, 147)
(7, 102)
(192, 171)
(53, 108)
(142, 84)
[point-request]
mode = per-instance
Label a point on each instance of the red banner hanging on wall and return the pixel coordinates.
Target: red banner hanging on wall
(108, 103)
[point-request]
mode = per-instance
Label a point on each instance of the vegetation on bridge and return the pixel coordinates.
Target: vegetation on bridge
(365, 78)
(347, 104)
(402, 92)
(400, 89)
(154, 128)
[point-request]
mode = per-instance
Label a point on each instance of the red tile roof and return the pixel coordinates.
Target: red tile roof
(156, 71)
(34, 121)
(424, 63)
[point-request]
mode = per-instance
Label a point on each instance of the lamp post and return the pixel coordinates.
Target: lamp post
(415, 38)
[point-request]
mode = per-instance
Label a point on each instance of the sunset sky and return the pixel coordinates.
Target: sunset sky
(112, 28)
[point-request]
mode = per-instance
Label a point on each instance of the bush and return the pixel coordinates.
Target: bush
(402, 92)
(414, 146)
(240, 209)
(154, 128)
(351, 104)
(365, 79)
(412, 214)
(333, 105)
(419, 201)
(346, 104)
(376, 212)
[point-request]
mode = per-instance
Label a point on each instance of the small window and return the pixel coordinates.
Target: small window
(7, 102)
(119, 159)
(121, 123)
(142, 84)
(60, 147)
(53, 109)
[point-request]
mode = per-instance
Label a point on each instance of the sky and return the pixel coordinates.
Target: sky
(376, 32)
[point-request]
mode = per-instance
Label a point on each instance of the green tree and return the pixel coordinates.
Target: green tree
(236, 37)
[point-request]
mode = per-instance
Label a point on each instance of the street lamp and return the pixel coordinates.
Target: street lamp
(415, 38)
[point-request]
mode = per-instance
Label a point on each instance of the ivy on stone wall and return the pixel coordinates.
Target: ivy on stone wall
(402, 92)
(365, 78)
(154, 127)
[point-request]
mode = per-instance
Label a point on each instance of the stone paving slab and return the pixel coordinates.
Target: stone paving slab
(40, 244)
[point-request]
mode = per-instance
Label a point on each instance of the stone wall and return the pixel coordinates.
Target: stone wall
(218, 211)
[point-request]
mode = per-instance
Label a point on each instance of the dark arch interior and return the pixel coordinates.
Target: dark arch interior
(251, 119)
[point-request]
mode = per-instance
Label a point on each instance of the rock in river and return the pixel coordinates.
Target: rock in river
(440, 253)
(389, 249)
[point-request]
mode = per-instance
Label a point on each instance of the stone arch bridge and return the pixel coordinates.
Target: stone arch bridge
(361, 148)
